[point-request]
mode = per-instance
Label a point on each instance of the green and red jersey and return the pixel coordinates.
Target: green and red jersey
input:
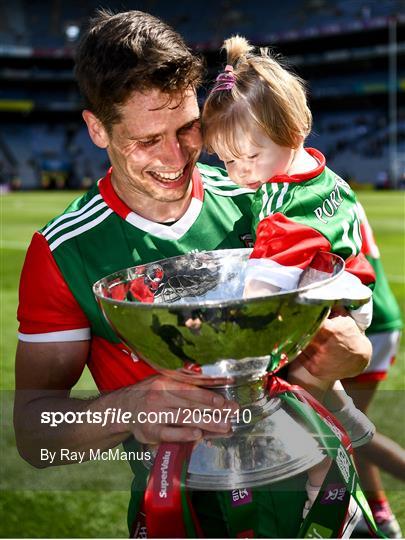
(297, 216)
(97, 235)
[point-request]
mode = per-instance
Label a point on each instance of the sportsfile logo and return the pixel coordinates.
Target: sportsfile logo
(164, 484)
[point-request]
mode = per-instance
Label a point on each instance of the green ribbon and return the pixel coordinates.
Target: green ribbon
(342, 471)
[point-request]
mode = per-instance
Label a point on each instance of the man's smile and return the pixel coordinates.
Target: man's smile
(171, 180)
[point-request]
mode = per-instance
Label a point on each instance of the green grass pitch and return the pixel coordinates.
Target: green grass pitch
(26, 512)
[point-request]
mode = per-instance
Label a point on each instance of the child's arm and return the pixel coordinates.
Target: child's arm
(298, 374)
(291, 228)
(283, 249)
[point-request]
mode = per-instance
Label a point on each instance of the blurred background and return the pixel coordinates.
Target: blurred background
(352, 55)
(351, 52)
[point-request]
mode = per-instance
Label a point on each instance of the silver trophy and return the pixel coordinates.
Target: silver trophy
(188, 318)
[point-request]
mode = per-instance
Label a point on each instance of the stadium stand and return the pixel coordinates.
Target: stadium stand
(42, 24)
(355, 146)
(341, 48)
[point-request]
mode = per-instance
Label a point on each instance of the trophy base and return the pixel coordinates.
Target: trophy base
(270, 449)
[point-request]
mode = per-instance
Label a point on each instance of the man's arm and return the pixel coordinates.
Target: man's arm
(45, 374)
(339, 350)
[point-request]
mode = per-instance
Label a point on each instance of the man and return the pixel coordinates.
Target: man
(139, 82)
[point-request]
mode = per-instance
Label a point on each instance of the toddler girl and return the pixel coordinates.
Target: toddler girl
(256, 119)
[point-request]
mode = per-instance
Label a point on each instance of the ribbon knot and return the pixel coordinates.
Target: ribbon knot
(225, 81)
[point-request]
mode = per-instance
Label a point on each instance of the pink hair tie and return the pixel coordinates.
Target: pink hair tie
(225, 81)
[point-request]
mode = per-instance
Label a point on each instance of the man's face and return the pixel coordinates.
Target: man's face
(154, 148)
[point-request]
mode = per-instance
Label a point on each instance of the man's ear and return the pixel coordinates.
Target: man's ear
(97, 131)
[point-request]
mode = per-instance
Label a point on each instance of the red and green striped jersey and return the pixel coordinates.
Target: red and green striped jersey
(297, 216)
(386, 311)
(99, 234)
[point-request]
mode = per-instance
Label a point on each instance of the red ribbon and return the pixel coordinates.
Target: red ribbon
(163, 496)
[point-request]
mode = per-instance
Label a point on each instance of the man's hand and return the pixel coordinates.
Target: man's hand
(45, 373)
(338, 350)
(161, 394)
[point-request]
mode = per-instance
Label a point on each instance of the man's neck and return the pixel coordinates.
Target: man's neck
(152, 209)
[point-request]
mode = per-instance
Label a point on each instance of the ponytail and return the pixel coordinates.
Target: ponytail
(237, 49)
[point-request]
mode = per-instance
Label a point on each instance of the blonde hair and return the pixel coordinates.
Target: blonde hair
(263, 91)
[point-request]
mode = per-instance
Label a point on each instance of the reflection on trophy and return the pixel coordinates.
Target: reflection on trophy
(187, 317)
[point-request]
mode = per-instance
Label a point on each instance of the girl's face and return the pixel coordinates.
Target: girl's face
(260, 159)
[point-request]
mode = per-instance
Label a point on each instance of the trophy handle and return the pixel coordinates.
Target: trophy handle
(345, 290)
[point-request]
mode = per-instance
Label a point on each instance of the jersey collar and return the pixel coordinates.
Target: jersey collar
(169, 232)
(310, 175)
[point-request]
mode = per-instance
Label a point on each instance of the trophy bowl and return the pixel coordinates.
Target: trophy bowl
(188, 318)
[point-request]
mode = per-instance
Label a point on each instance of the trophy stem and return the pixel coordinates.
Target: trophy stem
(253, 400)
(244, 393)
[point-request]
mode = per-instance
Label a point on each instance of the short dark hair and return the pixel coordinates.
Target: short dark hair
(124, 52)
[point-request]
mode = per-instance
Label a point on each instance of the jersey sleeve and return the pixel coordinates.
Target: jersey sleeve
(283, 249)
(47, 311)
